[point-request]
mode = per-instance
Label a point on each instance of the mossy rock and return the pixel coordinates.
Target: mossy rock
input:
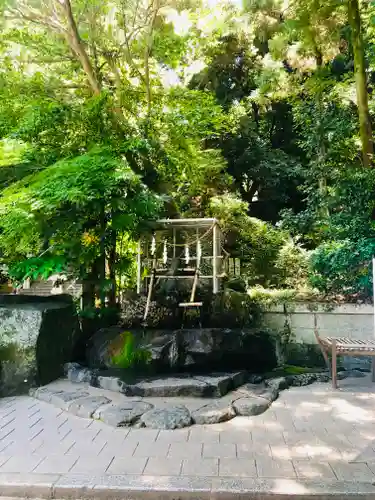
(36, 339)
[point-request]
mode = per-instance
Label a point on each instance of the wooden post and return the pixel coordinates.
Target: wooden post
(150, 287)
(197, 248)
(334, 364)
(139, 268)
(322, 348)
(174, 243)
(215, 285)
(373, 290)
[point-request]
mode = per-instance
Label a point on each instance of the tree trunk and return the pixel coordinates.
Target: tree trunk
(112, 269)
(76, 45)
(361, 82)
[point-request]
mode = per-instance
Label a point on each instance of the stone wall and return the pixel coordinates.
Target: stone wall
(37, 336)
(346, 320)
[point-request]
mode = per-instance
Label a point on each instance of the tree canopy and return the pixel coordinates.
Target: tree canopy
(114, 113)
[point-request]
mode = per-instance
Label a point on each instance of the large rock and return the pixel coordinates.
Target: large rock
(85, 407)
(213, 413)
(200, 349)
(124, 414)
(174, 417)
(258, 390)
(37, 336)
(250, 406)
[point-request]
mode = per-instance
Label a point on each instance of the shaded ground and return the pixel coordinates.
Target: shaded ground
(310, 432)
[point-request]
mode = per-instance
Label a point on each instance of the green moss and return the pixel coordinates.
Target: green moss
(285, 370)
(8, 352)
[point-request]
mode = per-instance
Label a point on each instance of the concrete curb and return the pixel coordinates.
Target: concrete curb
(129, 487)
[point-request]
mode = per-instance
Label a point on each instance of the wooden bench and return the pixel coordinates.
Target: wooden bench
(344, 346)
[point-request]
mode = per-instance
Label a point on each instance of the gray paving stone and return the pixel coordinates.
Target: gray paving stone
(153, 449)
(173, 417)
(21, 463)
(128, 465)
(56, 464)
(352, 472)
(187, 451)
(233, 467)
(251, 451)
(204, 434)
(250, 406)
(234, 436)
(91, 465)
(86, 407)
(213, 413)
(313, 470)
(141, 435)
(165, 466)
(220, 450)
(200, 467)
(123, 415)
(270, 468)
(173, 436)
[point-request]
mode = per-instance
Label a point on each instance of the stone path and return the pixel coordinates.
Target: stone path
(118, 410)
(311, 441)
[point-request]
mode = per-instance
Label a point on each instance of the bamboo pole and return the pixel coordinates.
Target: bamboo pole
(215, 287)
(139, 268)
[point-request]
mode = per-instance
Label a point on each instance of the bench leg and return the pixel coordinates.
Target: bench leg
(373, 368)
(334, 365)
(326, 359)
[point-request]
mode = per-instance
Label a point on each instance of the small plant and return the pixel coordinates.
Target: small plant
(129, 355)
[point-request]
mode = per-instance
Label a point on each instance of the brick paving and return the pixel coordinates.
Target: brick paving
(311, 433)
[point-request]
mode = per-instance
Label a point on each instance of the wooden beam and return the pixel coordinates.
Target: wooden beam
(139, 268)
(215, 284)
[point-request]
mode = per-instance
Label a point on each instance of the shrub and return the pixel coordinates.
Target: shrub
(269, 256)
(343, 267)
(292, 265)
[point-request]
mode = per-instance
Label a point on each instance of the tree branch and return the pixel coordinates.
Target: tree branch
(75, 42)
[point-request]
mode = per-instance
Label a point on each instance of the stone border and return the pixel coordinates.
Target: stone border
(136, 487)
(248, 400)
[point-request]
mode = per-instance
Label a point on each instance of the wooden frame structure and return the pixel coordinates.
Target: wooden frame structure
(201, 244)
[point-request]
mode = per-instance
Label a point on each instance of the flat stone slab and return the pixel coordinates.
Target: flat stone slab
(174, 417)
(61, 399)
(86, 407)
(122, 415)
(250, 406)
(173, 386)
(212, 385)
(214, 413)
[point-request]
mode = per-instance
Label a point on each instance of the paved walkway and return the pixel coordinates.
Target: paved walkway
(310, 440)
